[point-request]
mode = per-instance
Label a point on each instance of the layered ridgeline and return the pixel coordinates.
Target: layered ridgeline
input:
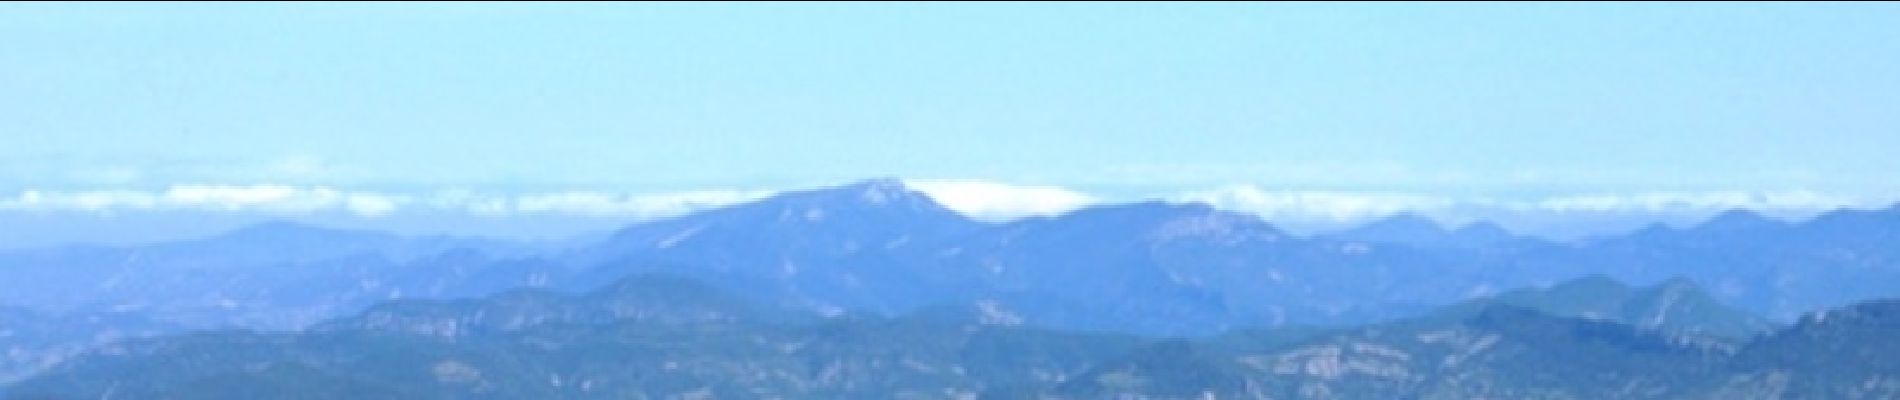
(268, 276)
(273, 275)
(1674, 306)
(1165, 268)
(878, 247)
(660, 337)
(643, 335)
(31, 340)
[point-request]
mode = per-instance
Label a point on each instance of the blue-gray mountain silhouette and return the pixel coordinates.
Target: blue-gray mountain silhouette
(881, 248)
(661, 337)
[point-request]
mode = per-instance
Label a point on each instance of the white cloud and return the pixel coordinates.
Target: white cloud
(1796, 200)
(984, 200)
(265, 197)
(1322, 210)
(1329, 206)
(291, 199)
(95, 200)
(236, 198)
(634, 205)
(994, 201)
(370, 204)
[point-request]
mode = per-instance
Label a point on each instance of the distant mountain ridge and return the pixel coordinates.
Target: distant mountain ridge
(879, 247)
(644, 334)
(837, 248)
(1418, 231)
(31, 341)
(271, 275)
(1676, 306)
(1210, 270)
(663, 337)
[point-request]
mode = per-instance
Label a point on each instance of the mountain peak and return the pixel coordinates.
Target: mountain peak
(1170, 220)
(1151, 211)
(1597, 285)
(878, 192)
(1882, 313)
(1678, 303)
(871, 212)
(1159, 206)
(1674, 305)
(1653, 230)
(885, 184)
(873, 202)
(1407, 220)
(1156, 212)
(883, 190)
(1486, 229)
(1405, 227)
(1737, 220)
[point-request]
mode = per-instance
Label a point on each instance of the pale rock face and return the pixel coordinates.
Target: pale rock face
(674, 240)
(993, 313)
(876, 197)
(455, 372)
(1336, 361)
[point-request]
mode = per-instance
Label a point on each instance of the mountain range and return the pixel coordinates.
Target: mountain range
(664, 337)
(31, 340)
(1191, 269)
(878, 248)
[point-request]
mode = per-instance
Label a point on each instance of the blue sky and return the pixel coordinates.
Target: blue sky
(1113, 100)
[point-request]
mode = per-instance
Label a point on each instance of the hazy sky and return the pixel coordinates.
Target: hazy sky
(1417, 98)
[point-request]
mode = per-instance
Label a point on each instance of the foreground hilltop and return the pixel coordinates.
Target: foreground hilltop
(662, 337)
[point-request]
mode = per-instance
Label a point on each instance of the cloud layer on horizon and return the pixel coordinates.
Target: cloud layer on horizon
(293, 199)
(995, 201)
(1345, 206)
(979, 199)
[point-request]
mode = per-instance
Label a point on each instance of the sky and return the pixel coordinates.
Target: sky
(1013, 108)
